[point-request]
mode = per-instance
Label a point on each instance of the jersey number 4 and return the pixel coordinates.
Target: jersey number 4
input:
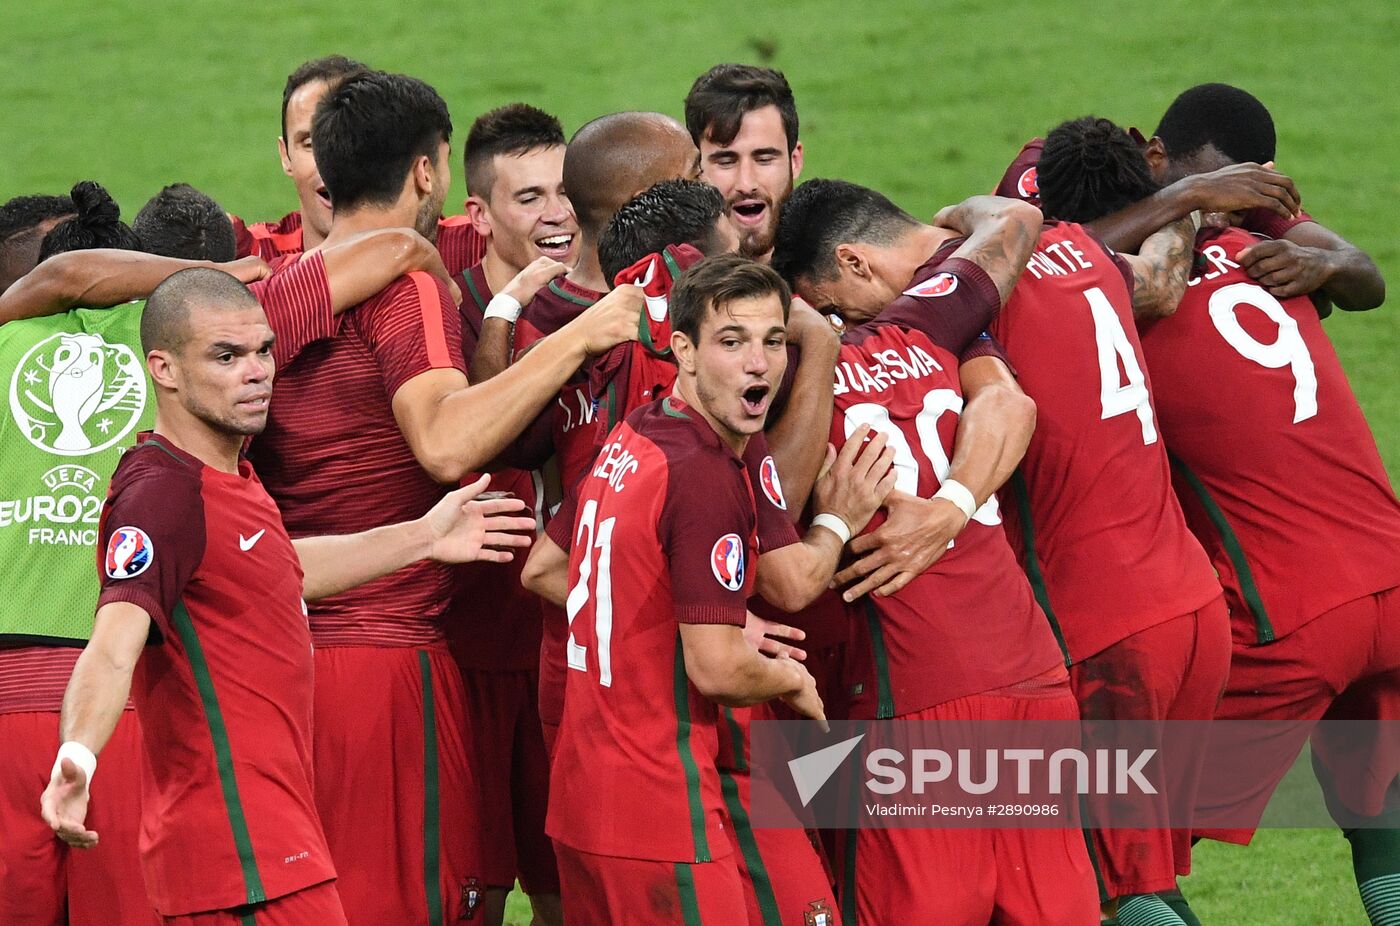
(1114, 348)
(1288, 351)
(593, 543)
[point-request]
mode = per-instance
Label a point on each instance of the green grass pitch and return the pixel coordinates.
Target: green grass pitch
(927, 101)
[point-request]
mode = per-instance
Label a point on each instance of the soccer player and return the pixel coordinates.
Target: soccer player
(202, 608)
(1091, 515)
(1271, 435)
(369, 424)
(662, 561)
(744, 121)
(915, 299)
(24, 221)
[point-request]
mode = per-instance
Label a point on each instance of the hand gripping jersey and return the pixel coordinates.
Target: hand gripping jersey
(223, 688)
(1091, 513)
(1276, 467)
(969, 623)
(666, 533)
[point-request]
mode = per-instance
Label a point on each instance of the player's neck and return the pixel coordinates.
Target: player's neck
(927, 239)
(498, 272)
(403, 214)
(215, 449)
(310, 237)
(588, 273)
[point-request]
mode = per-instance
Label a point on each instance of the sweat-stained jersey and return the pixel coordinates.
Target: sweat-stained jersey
(666, 533)
(1090, 512)
(969, 623)
(224, 686)
(1275, 464)
(333, 456)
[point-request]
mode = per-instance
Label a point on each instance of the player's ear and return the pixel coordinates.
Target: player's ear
(282, 153)
(424, 175)
(850, 259)
(159, 364)
(796, 158)
(480, 216)
(683, 351)
(1156, 154)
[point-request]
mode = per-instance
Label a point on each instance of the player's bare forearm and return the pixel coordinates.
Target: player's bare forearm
(1126, 229)
(361, 266)
(797, 439)
(1161, 269)
(994, 429)
(1001, 233)
(1354, 282)
(492, 350)
(726, 669)
(100, 278)
(101, 682)
(338, 562)
(792, 577)
(546, 571)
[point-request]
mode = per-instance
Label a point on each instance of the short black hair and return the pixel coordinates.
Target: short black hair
(821, 214)
(1089, 168)
(1237, 124)
(717, 281)
(671, 212)
(369, 130)
(180, 221)
(97, 224)
(513, 129)
(23, 213)
(720, 97)
(163, 322)
(332, 69)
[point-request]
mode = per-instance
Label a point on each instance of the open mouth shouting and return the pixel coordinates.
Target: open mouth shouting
(323, 197)
(750, 212)
(555, 246)
(754, 399)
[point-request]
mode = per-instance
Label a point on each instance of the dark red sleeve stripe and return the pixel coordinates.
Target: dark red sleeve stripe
(434, 338)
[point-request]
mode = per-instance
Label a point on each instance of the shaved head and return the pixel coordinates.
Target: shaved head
(615, 157)
(165, 322)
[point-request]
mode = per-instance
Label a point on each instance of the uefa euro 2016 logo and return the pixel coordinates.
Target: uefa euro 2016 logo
(75, 394)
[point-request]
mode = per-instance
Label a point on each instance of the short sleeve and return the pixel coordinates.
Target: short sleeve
(411, 328)
(560, 528)
(952, 305)
(1020, 179)
(151, 542)
(706, 529)
(297, 300)
(985, 345)
(245, 245)
(775, 527)
(1269, 223)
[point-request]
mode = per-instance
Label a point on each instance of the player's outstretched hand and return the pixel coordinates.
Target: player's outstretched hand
(611, 320)
(64, 805)
(1240, 187)
(853, 483)
(463, 529)
(768, 637)
(533, 278)
(247, 269)
(1286, 269)
(803, 698)
(913, 537)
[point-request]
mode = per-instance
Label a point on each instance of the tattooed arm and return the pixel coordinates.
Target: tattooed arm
(1001, 233)
(1161, 268)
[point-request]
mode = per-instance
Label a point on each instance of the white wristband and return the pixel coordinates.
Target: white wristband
(960, 495)
(503, 305)
(836, 524)
(82, 757)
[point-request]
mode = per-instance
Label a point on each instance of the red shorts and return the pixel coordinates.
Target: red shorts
(600, 890)
(1173, 671)
(506, 750)
(785, 881)
(1342, 665)
(40, 877)
(966, 877)
(550, 732)
(318, 905)
(393, 787)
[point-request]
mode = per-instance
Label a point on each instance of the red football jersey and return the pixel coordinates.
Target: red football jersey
(1276, 467)
(269, 240)
(493, 623)
(666, 533)
(334, 459)
(969, 623)
(459, 244)
(1091, 513)
(1019, 181)
(297, 300)
(224, 687)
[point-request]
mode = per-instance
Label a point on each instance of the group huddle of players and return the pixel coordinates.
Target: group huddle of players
(1091, 455)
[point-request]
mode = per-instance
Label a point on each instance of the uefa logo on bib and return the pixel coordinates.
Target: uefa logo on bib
(76, 394)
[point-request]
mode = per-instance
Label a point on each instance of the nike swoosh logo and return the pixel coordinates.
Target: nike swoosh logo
(246, 544)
